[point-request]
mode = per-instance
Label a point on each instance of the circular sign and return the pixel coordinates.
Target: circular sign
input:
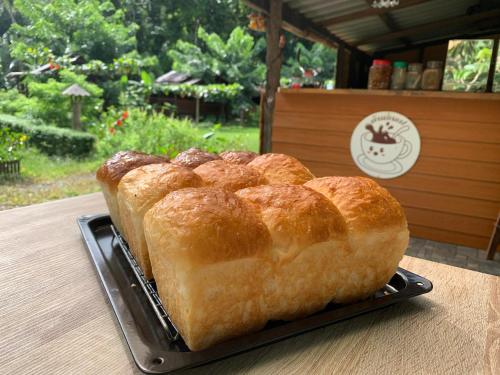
(385, 144)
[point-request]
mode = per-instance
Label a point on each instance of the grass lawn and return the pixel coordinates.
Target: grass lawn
(44, 178)
(246, 136)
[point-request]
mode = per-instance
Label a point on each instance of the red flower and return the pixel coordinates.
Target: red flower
(112, 130)
(119, 122)
(125, 115)
(51, 66)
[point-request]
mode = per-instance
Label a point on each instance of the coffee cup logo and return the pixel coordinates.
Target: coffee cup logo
(385, 145)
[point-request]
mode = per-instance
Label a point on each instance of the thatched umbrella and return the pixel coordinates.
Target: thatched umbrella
(77, 93)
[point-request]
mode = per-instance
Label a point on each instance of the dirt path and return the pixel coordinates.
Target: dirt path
(23, 193)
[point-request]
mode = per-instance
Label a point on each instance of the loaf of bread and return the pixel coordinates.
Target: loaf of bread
(138, 191)
(378, 233)
(281, 169)
(112, 171)
(230, 176)
(232, 245)
(226, 263)
(194, 157)
(209, 251)
(309, 244)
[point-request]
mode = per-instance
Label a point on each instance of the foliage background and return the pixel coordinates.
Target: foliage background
(467, 65)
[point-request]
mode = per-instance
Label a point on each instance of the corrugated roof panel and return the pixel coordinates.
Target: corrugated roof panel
(340, 9)
(353, 31)
(321, 10)
(383, 46)
(430, 11)
(373, 26)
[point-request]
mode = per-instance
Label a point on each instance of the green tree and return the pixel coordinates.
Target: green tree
(51, 107)
(163, 22)
(318, 57)
(215, 60)
(92, 29)
(467, 65)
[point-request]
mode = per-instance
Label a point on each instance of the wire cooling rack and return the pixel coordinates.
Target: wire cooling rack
(149, 288)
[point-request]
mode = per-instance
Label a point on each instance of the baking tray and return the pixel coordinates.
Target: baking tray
(151, 337)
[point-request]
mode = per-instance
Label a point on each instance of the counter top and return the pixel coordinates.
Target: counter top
(55, 318)
(416, 94)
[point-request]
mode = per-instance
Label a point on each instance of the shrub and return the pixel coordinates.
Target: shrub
(12, 102)
(49, 139)
(11, 144)
(52, 107)
(156, 134)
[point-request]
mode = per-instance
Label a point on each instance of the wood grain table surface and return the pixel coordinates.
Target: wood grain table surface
(55, 317)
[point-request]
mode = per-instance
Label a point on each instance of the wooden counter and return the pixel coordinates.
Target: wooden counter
(55, 318)
(452, 193)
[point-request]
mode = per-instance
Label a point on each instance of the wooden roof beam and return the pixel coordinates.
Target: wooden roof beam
(461, 21)
(300, 25)
(369, 12)
(391, 24)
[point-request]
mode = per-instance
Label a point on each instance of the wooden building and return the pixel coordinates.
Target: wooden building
(452, 191)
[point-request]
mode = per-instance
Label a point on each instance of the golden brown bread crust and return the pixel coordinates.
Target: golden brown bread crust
(113, 169)
(209, 225)
(238, 157)
(232, 177)
(309, 237)
(296, 216)
(138, 191)
(111, 172)
(378, 234)
(194, 157)
(226, 263)
(364, 204)
(281, 169)
(208, 252)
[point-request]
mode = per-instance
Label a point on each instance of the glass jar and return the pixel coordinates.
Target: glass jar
(380, 75)
(431, 79)
(398, 77)
(414, 76)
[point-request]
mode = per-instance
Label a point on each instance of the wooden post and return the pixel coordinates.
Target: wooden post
(197, 111)
(273, 63)
(339, 72)
(493, 62)
(77, 109)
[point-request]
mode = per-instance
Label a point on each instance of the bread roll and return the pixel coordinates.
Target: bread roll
(194, 157)
(209, 253)
(111, 172)
(229, 176)
(378, 233)
(281, 169)
(309, 245)
(138, 191)
(238, 157)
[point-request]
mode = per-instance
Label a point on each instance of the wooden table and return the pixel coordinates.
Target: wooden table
(54, 316)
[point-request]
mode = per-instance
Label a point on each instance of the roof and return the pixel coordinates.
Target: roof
(75, 90)
(359, 26)
(174, 77)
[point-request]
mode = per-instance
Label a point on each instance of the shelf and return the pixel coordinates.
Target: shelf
(363, 92)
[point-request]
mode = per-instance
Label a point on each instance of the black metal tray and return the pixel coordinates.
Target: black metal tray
(152, 338)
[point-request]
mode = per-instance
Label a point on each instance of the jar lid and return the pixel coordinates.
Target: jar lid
(415, 67)
(381, 62)
(434, 64)
(400, 64)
